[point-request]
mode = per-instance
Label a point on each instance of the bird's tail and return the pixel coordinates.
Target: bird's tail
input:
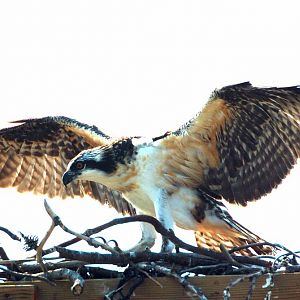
(236, 236)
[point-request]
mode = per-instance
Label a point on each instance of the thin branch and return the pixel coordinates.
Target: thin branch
(185, 259)
(233, 283)
(151, 278)
(171, 236)
(39, 250)
(74, 277)
(229, 258)
(56, 219)
(3, 254)
(292, 269)
(251, 287)
(273, 245)
(10, 234)
(174, 239)
(197, 268)
(196, 291)
(198, 260)
(74, 265)
(22, 275)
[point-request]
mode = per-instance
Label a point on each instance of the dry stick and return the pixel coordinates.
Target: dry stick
(39, 250)
(10, 234)
(56, 219)
(233, 283)
(96, 271)
(36, 268)
(229, 258)
(4, 258)
(151, 278)
(3, 254)
(184, 259)
(22, 275)
(251, 287)
(75, 278)
(292, 269)
(274, 245)
(183, 281)
(171, 236)
(78, 281)
(199, 268)
(284, 255)
(15, 261)
(114, 292)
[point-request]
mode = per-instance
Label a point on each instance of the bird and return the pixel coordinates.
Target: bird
(238, 148)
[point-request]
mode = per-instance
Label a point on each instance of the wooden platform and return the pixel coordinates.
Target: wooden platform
(287, 286)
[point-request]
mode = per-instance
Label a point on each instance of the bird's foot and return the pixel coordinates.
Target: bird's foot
(167, 246)
(142, 245)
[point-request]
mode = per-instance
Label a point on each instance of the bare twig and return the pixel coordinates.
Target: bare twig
(197, 261)
(184, 259)
(229, 258)
(22, 275)
(39, 250)
(74, 277)
(273, 245)
(251, 287)
(56, 219)
(196, 291)
(80, 266)
(233, 283)
(292, 269)
(151, 278)
(198, 269)
(3, 254)
(171, 236)
(10, 234)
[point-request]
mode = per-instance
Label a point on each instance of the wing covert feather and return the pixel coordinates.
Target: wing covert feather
(254, 136)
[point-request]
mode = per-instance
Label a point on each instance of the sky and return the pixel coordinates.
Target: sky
(141, 68)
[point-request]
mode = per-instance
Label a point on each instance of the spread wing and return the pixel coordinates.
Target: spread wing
(35, 154)
(243, 143)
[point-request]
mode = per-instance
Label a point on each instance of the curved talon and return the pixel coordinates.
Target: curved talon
(116, 246)
(102, 238)
(115, 242)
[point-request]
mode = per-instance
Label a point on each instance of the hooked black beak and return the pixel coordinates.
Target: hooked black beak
(68, 177)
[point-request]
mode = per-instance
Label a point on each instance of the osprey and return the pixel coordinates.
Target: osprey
(240, 147)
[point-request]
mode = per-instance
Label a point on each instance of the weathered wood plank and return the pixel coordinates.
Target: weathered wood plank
(17, 292)
(287, 286)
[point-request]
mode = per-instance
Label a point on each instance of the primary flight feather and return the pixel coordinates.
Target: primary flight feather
(240, 147)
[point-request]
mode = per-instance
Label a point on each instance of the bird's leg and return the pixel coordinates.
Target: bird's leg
(148, 238)
(164, 215)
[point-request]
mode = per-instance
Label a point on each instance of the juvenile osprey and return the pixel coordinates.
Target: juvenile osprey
(240, 147)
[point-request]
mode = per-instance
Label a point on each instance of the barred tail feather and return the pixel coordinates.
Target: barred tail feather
(212, 241)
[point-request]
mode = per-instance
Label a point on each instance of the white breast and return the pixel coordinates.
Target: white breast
(147, 176)
(149, 181)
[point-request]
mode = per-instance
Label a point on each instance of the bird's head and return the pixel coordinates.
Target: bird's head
(99, 164)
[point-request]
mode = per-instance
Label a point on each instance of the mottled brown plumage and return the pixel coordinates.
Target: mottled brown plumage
(258, 145)
(35, 154)
(240, 147)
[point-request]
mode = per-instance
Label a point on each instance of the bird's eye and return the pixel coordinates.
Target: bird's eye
(79, 165)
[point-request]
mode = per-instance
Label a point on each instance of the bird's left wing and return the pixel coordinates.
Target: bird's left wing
(241, 146)
(34, 155)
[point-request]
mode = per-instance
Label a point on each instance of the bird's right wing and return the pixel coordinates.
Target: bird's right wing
(34, 155)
